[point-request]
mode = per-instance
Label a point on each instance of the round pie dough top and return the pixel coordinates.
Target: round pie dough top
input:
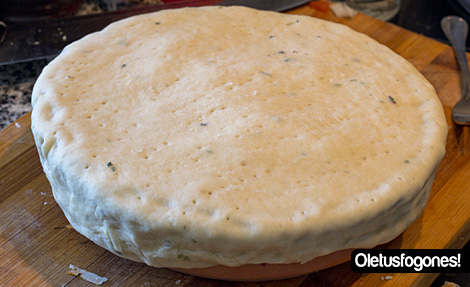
(216, 135)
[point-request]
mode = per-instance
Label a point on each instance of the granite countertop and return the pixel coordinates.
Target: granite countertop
(16, 84)
(17, 80)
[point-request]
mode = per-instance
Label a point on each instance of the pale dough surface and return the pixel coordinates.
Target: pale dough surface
(227, 136)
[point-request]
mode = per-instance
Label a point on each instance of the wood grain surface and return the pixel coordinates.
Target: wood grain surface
(36, 247)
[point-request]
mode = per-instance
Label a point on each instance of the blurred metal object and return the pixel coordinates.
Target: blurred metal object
(380, 9)
(465, 4)
(272, 5)
(456, 30)
(3, 32)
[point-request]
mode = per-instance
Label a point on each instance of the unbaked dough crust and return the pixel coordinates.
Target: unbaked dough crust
(227, 136)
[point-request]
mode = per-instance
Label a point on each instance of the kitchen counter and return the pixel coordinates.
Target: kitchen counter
(17, 80)
(16, 84)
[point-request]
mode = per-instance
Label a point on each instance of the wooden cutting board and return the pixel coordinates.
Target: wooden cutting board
(36, 247)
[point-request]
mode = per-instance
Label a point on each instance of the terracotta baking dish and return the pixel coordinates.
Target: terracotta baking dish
(265, 272)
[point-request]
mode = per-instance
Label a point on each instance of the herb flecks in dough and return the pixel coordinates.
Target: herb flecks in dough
(391, 100)
(111, 166)
(266, 73)
(292, 23)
